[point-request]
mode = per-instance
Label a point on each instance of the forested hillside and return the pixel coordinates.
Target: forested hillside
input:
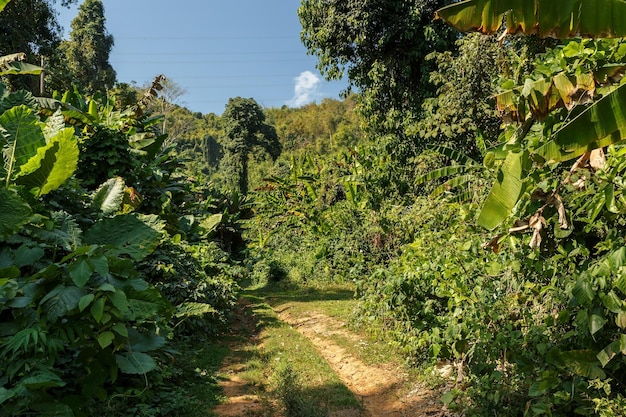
(468, 190)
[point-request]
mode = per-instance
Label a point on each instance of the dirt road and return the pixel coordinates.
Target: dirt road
(383, 390)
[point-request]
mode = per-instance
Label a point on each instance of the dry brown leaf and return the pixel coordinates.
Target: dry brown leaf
(536, 222)
(493, 244)
(580, 162)
(556, 201)
(580, 183)
(519, 226)
(597, 159)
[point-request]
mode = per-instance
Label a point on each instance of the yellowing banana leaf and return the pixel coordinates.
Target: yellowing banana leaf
(505, 191)
(602, 124)
(547, 18)
(543, 96)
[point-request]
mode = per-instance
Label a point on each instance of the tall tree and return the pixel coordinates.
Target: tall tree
(30, 27)
(88, 49)
(245, 130)
(382, 46)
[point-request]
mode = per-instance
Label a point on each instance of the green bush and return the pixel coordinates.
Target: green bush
(198, 276)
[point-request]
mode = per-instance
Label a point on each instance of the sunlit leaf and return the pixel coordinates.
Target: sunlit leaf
(20, 137)
(602, 124)
(504, 193)
(108, 197)
(52, 165)
(563, 19)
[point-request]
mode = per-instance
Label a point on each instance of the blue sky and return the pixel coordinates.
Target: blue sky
(215, 50)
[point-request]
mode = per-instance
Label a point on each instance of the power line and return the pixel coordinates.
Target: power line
(196, 53)
(225, 38)
(258, 61)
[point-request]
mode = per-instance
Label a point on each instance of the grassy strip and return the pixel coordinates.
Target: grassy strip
(286, 366)
(337, 302)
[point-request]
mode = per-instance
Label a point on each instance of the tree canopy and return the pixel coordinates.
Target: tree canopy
(245, 130)
(30, 27)
(88, 49)
(381, 45)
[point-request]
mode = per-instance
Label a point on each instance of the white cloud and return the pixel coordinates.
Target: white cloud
(305, 90)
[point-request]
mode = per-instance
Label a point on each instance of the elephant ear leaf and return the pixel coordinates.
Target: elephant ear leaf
(505, 192)
(109, 196)
(3, 4)
(20, 138)
(562, 19)
(52, 165)
(133, 235)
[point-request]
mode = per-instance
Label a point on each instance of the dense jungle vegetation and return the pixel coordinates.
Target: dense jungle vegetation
(470, 189)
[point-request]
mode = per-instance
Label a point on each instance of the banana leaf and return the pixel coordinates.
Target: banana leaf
(21, 68)
(602, 124)
(505, 191)
(452, 183)
(453, 154)
(3, 4)
(547, 18)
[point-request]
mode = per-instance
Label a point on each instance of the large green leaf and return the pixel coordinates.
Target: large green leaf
(505, 191)
(3, 4)
(135, 363)
(190, 309)
(602, 124)
(108, 197)
(53, 164)
(61, 300)
(141, 342)
(609, 352)
(555, 18)
(21, 68)
(133, 235)
(20, 138)
(15, 212)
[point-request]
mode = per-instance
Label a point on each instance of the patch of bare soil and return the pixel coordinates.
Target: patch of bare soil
(384, 390)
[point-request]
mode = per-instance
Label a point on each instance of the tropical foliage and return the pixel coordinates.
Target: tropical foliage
(85, 306)
(471, 193)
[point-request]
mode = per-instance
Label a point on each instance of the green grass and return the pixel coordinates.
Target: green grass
(280, 365)
(337, 302)
(291, 361)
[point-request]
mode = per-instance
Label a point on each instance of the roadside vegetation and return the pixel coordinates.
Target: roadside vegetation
(463, 209)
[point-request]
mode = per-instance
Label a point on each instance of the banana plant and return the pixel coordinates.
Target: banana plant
(586, 100)
(462, 172)
(578, 83)
(562, 19)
